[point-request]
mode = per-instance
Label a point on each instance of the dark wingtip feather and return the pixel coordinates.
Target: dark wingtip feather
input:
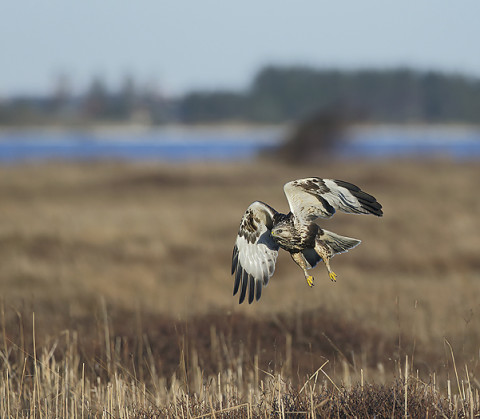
(374, 207)
(238, 277)
(243, 291)
(265, 278)
(258, 291)
(367, 201)
(350, 186)
(251, 289)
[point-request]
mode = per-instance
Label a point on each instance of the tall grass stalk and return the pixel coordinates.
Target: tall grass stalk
(56, 383)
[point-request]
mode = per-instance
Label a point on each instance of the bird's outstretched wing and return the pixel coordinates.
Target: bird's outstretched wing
(313, 198)
(255, 252)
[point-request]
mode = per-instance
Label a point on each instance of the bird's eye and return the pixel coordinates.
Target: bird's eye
(280, 231)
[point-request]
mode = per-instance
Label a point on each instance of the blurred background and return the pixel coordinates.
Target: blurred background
(112, 81)
(134, 135)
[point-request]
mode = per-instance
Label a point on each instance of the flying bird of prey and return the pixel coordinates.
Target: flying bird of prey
(263, 231)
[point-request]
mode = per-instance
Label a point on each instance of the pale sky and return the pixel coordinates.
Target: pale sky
(208, 44)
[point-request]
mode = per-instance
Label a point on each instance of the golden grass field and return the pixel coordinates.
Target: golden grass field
(117, 295)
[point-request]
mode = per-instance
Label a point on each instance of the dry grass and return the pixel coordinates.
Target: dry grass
(126, 269)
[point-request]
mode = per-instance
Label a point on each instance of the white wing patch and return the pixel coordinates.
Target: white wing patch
(312, 198)
(255, 252)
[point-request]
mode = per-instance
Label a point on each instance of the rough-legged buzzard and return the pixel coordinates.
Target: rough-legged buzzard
(263, 231)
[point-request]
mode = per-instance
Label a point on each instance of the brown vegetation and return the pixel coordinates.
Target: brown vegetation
(117, 295)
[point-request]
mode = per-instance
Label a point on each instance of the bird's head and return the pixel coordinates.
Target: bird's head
(282, 231)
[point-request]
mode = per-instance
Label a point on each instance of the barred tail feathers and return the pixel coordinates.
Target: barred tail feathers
(338, 244)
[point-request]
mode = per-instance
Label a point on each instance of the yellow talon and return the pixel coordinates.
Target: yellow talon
(310, 281)
(333, 276)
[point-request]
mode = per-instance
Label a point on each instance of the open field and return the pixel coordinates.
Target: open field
(115, 278)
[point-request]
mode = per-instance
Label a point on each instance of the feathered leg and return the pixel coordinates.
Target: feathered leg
(326, 253)
(300, 261)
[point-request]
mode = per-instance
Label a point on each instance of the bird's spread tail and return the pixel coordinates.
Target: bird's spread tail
(338, 244)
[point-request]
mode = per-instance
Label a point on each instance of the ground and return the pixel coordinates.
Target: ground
(138, 255)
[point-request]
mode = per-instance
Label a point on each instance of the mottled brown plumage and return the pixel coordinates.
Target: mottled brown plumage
(263, 231)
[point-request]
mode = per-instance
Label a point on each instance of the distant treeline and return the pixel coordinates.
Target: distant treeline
(289, 94)
(277, 94)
